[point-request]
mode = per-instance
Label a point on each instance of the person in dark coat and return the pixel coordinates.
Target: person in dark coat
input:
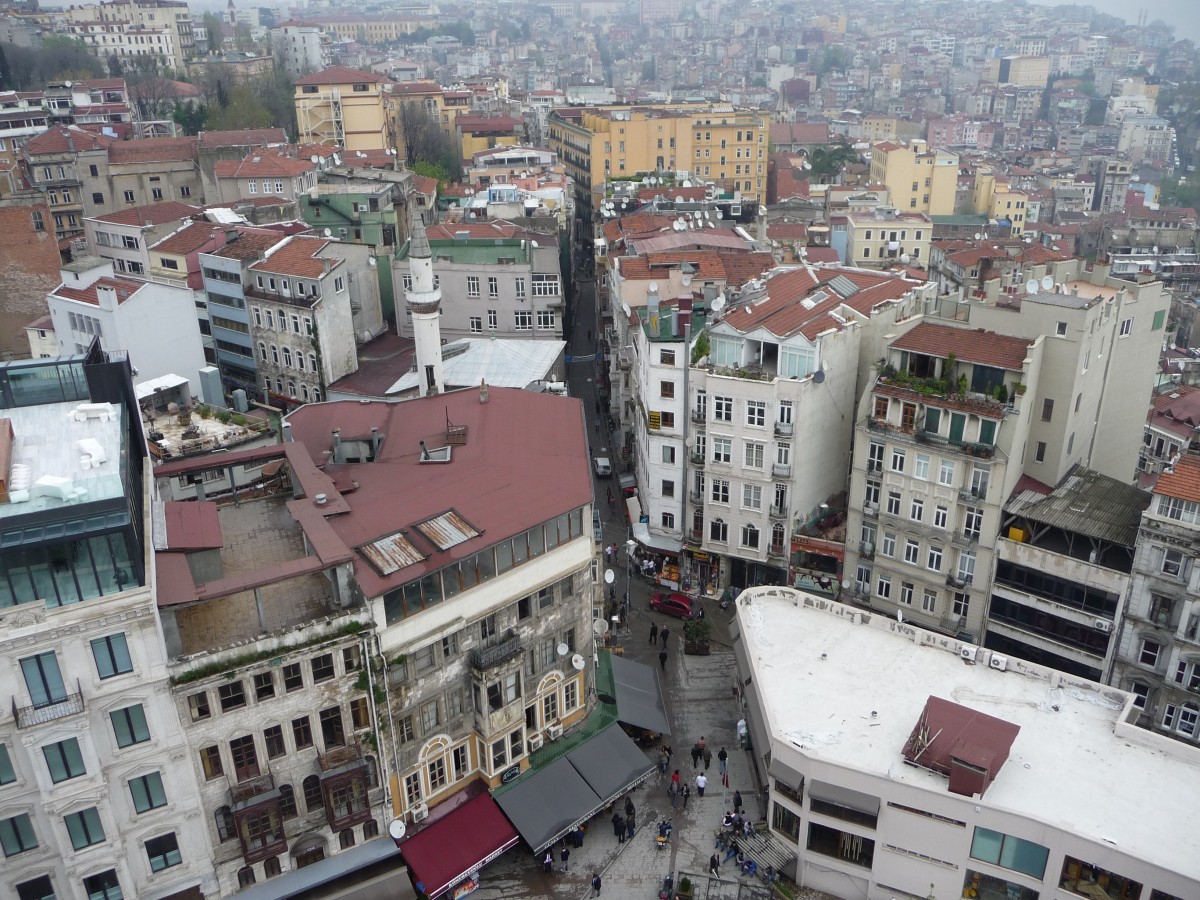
(707, 758)
(722, 757)
(629, 808)
(737, 800)
(696, 752)
(618, 824)
(566, 856)
(596, 883)
(664, 634)
(662, 659)
(654, 632)
(714, 866)
(629, 826)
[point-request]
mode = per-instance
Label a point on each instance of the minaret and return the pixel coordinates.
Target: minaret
(424, 301)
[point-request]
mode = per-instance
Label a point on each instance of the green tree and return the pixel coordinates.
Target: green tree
(432, 170)
(1180, 191)
(242, 110)
(216, 32)
(826, 163)
(242, 38)
(189, 116)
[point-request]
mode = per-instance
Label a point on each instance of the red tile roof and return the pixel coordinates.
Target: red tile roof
(245, 137)
(153, 150)
(297, 256)
(64, 139)
(417, 87)
(425, 184)
(488, 124)
(784, 133)
(263, 164)
(250, 244)
(786, 231)
(1183, 482)
(151, 214)
(969, 345)
(191, 237)
(125, 288)
(342, 75)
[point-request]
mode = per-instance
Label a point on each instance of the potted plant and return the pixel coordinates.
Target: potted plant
(685, 885)
(695, 637)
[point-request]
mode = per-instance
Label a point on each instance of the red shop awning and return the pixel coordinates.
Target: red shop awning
(462, 842)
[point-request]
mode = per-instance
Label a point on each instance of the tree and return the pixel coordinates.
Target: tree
(242, 110)
(423, 139)
(429, 170)
(242, 38)
(189, 116)
(827, 162)
(216, 32)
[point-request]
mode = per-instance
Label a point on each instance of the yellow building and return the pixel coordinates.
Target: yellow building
(993, 198)
(881, 238)
(343, 107)
(918, 179)
(714, 142)
(1020, 71)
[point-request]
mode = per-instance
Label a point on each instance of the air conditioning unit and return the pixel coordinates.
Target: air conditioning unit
(998, 662)
(969, 652)
(554, 732)
(535, 742)
(420, 812)
(1104, 625)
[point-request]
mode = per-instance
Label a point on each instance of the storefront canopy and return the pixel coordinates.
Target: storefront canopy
(641, 530)
(639, 696)
(462, 842)
(547, 804)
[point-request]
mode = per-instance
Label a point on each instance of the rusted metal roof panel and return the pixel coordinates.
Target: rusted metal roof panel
(447, 530)
(392, 553)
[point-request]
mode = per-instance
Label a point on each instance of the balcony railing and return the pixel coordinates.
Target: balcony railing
(781, 470)
(871, 510)
(28, 716)
(697, 459)
(497, 654)
(874, 466)
(778, 512)
(623, 360)
(696, 536)
(783, 429)
(956, 581)
(776, 551)
(969, 495)
(964, 538)
(699, 416)
(696, 496)
(866, 549)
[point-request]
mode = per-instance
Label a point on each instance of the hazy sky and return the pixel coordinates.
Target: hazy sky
(1183, 14)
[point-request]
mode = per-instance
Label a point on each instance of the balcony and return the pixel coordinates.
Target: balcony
(29, 716)
(964, 539)
(866, 549)
(874, 467)
(778, 512)
(697, 459)
(498, 654)
(696, 536)
(784, 429)
(777, 552)
(345, 780)
(699, 416)
(696, 496)
(954, 581)
(971, 495)
(781, 470)
(871, 510)
(624, 360)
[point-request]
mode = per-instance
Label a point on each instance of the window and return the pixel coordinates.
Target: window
(1047, 409)
(264, 685)
(546, 320)
(883, 586)
(912, 551)
(723, 409)
(104, 886)
(312, 793)
(246, 873)
(718, 531)
(273, 737)
(111, 654)
(720, 490)
(934, 560)
(722, 449)
(333, 733)
(1009, 852)
(754, 454)
(751, 496)
(472, 285)
(916, 509)
(493, 319)
(360, 715)
(16, 835)
(962, 604)
(130, 199)
(185, 191)
(888, 548)
(129, 725)
(523, 320)
(43, 679)
(668, 488)
(973, 522)
(756, 413)
(493, 286)
(750, 536)
(245, 757)
(1149, 653)
(893, 503)
(232, 696)
(906, 593)
(64, 760)
(84, 828)
(322, 668)
(897, 459)
(293, 677)
(946, 472)
(1127, 327)
(519, 287)
(156, 193)
(929, 601)
(476, 324)
(1039, 452)
(302, 732)
(339, 284)
(921, 467)
(7, 774)
(940, 515)
(147, 792)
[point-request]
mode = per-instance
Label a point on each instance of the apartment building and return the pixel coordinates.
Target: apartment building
(175, 260)
(306, 46)
(919, 178)
(264, 173)
(1147, 139)
(164, 27)
(66, 161)
(995, 198)
(884, 236)
(1158, 657)
(95, 800)
(343, 107)
(312, 301)
(124, 237)
(495, 279)
(1021, 71)
(964, 773)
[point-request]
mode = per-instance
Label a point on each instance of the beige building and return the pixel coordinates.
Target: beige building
(918, 179)
(994, 198)
(883, 237)
(343, 107)
(1022, 71)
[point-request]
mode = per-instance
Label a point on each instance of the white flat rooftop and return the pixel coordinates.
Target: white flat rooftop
(1067, 767)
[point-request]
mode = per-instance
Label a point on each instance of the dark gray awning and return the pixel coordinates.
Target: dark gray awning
(639, 696)
(843, 796)
(550, 802)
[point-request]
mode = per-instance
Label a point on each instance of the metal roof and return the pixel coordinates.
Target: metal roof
(392, 553)
(1086, 503)
(447, 530)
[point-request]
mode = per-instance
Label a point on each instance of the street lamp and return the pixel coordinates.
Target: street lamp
(630, 545)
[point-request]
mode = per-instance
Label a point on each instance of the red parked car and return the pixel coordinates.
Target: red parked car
(678, 605)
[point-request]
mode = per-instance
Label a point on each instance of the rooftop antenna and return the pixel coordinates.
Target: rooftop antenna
(1047, 282)
(1031, 286)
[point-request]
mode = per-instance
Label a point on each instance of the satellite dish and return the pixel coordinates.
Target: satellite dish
(679, 198)
(718, 214)
(762, 210)
(846, 584)
(712, 224)
(1156, 249)
(978, 236)
(707, 214)
(904, 258)
(562, 649)
(646, 181)
(1047, 282)
(371, 262)
(696, 215)
(397, 829)
(609, 576)
(600, 627)
(577, 662)
(674, 226)
(314, 159)
(328, 232)
(686, 183)
(818, 377)
(718, 303)
(1031, 286)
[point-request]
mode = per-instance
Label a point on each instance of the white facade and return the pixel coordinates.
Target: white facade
(837, 701)
(305, 47)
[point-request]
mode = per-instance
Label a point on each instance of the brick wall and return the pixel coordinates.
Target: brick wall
(29, 262)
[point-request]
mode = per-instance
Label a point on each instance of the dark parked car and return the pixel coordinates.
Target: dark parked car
(678, 605)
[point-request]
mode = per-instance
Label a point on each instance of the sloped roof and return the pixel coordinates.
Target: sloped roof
(799, 133)
(151, 214)
(65, 139)
(342, 75)
(297, 256)
(153, 150)
(125, 288)
(263, 165)
(1182, 481)
(190, 237)
(243, 137)
(1088, 503)
(970, 345)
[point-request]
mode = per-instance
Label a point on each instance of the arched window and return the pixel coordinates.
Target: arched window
(299, 360)
(304, 392)
(291, 388)
(262, 351)
(777, 535)
(346, 838)
(271, 866)
(279, 385)
(245, 876)
(316, 396)
(312, 361)
(312, 793)
(370, 830)
(225, 829)
(274, 354)
(287, 801)
(287, 356)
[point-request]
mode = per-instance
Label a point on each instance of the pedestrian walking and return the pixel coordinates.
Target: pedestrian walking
(597, 423)
(566, 857)
(707, 758)
(654, 632)
(596, 883)
(662, 659)
(737, 800)
(695, 755)
(702, 743)
(664, 634)
(675, 781)
(629, 826)
(629, 808)
(598, 413)
(714, 866)
(548, 862)
(722, 757)
(618, 825)
(608, 548)
(687, 792)
(701, 783)
(589, 334)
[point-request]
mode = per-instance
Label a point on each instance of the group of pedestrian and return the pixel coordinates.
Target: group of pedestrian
(624, 826)
(678, 790)
(701, 751)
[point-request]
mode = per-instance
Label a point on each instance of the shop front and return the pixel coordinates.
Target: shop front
(817, 564)
(702, 573)
(656, 557)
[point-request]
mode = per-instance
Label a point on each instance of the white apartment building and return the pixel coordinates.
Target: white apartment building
(900, 763)
(1146, 139)
(305, 45)
(124, 237)
(1159, 644)
(96, 799)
